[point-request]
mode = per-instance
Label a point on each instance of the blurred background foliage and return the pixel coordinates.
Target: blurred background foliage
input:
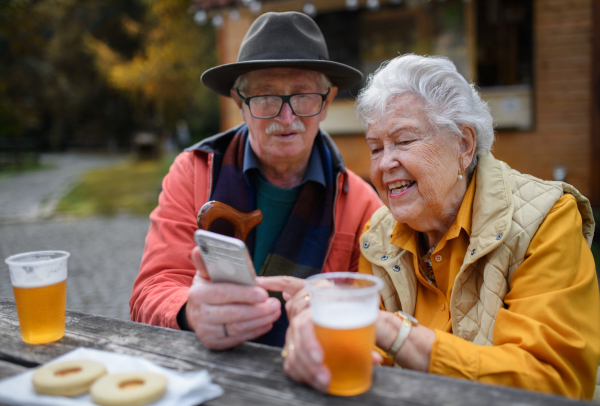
(131, 187)
(89, 75)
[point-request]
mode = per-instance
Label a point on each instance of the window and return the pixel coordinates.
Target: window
(500, 63)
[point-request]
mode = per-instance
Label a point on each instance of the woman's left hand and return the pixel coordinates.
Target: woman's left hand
(415, 353)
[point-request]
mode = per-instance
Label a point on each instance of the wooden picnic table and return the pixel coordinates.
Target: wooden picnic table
(250, 373)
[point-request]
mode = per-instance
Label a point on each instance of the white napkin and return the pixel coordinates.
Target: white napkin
(183, 389)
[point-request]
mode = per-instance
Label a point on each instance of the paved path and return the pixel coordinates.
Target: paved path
(105, 258)
(31, 196)
(105, 252)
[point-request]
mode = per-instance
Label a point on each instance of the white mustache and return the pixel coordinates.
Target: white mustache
(275, 127)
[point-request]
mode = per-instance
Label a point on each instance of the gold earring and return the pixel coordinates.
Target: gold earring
(460, 176)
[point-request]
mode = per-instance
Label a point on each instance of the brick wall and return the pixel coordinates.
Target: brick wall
(562, 88)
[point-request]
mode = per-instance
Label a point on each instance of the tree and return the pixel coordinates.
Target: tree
(49, 86)
(164, 73)
(88, 73)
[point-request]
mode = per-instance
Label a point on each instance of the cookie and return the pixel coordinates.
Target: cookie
(131, 389)
(71, 378)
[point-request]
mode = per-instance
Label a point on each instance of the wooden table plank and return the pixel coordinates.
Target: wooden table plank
(9, 369)
(250, 373)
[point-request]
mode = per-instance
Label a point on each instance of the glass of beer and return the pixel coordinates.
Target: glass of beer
(39, 281)
(344, 308)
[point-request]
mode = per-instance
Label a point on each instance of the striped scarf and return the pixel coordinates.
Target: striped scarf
(301, 247)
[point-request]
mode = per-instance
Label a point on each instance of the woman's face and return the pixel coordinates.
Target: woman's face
(414, 169)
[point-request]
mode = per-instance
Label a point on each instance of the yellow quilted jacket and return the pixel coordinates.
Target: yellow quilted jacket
(508, 208)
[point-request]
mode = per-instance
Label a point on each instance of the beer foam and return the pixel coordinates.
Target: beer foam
(344, 316)
(26, 273)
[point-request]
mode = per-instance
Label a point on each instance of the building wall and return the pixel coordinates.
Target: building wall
(562, 132)
(229, 38)
(562, 74)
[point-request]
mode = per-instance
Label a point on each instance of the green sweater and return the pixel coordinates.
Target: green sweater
(276, 205)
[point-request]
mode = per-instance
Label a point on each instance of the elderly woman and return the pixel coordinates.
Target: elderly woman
(495, 265)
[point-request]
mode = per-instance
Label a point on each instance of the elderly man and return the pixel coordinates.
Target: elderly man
(277, 161)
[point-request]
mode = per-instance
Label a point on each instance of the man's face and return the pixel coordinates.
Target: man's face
(285, 139)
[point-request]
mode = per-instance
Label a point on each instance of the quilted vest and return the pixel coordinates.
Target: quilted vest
(508, 208)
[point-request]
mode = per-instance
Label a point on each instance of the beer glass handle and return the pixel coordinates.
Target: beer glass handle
(242, 223)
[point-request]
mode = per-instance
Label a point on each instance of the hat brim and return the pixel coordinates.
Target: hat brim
(221, 78)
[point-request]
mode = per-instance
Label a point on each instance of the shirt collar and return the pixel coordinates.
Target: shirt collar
(314, 169)
(404, 237)
(465, 213)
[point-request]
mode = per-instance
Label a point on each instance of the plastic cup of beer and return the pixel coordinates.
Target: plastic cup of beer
(39, 281)
(344, 308)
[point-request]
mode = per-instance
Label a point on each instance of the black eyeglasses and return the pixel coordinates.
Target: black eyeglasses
(269, 106)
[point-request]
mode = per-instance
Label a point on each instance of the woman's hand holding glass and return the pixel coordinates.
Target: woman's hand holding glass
(304, 357)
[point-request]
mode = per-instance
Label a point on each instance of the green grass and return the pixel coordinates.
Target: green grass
(131, 188)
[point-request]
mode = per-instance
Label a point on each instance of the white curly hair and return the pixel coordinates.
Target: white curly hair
(450, 100)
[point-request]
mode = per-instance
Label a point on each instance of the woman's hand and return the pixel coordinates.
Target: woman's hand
(294, 292)
(302, 351)
(415, 353)
(304, 355)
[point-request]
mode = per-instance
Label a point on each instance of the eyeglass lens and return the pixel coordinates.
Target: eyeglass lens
(302, 105)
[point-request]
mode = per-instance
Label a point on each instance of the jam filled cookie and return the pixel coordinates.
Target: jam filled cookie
(131, 389)
(71, 378)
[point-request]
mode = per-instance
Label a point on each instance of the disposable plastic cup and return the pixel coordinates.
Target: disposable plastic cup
(39, 281)
(344, 308)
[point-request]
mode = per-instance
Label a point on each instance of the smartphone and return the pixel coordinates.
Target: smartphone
(226, 258)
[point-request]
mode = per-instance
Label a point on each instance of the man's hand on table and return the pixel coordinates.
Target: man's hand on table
(224, 315)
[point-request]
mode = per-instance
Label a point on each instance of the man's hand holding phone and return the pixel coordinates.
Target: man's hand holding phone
(224, 315)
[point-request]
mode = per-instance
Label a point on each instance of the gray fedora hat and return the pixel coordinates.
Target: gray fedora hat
(281, 40)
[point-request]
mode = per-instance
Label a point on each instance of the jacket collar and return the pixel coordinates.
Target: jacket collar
(492, 208)
(492, 212)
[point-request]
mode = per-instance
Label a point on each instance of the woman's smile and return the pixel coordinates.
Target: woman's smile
(399, 187)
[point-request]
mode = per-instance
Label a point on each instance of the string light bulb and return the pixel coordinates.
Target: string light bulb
(352, 4)
(234, 14)
(217, 21)
(309, 9)
(255, 7)
(373, 5)
(200, 17)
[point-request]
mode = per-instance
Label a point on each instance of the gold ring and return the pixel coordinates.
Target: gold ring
(307, 297)
(287, 350)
